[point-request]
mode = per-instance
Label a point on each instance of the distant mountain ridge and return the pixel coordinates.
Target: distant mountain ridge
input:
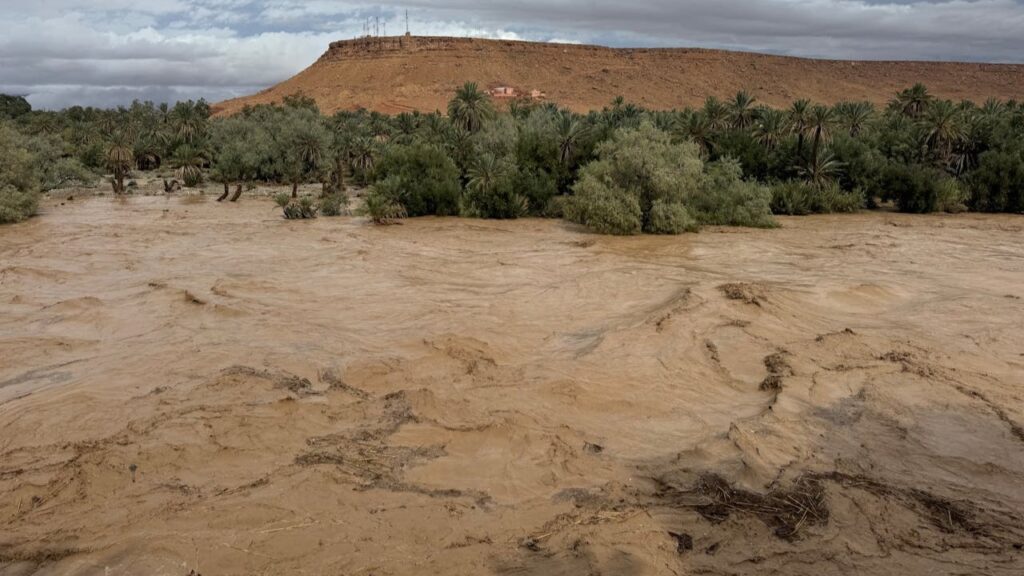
(404, 73)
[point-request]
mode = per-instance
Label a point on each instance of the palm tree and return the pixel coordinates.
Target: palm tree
(799, 117)
(943, 122)
(188, 120)
(821, 169)
(854, 116)
(741, 110)
(470, 108)
(188, 161)
(715, 113)
(770, 128)
(309, 151)
(571, 131)
(485, 173)
(696, 128)
(362, 153)
(913, 101)
(820, 126)
(120, 159)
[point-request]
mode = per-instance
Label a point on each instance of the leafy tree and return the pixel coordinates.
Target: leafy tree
(13, 106)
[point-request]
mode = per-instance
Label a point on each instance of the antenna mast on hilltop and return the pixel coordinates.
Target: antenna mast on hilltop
(407, 22)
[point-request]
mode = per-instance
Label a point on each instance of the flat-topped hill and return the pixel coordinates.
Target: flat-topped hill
(395, 74)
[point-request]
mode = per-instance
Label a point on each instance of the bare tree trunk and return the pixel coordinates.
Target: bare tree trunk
(118, 181)
(295, 189)
(238, 193)
(225, 194)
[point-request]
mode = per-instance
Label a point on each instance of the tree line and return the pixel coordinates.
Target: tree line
(621, 170)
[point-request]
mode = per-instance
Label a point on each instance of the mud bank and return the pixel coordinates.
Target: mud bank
(202, 386)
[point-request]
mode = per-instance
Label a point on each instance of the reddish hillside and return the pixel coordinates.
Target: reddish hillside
(420, 73)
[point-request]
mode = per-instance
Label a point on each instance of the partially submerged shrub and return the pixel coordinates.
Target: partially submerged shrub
(19, 178)
(67, 172)
(296, 208)
(916, 188)
(605, 210)
(17, 205)
(727, 199)
(797, 198)
(419, 177)
(997, 185)
(635, 171)
(382, 209)
(671, 218)
(951, 196)
(334, 204)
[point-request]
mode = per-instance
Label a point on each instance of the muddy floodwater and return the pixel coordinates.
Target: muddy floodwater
(196, 386)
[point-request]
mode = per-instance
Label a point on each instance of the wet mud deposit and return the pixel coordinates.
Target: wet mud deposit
(196, 386)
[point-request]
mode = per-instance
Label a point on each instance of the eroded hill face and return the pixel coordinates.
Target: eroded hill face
(399, 74)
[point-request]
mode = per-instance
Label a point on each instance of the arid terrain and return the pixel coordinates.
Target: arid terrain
(394, 75)
(188, 385)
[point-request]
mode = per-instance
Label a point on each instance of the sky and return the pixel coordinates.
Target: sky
(60, 53)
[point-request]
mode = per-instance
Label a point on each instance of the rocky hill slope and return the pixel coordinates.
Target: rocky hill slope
(396, 74)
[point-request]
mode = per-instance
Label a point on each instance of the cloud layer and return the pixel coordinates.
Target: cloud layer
(108, 52)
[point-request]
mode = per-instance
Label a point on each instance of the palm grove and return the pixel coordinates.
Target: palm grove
(621, 170)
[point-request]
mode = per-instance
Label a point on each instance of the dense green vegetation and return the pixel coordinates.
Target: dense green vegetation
(621, 170)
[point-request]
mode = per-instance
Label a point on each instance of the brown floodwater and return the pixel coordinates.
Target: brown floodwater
(195, 386)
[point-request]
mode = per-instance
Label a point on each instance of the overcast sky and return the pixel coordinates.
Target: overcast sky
(108, 52)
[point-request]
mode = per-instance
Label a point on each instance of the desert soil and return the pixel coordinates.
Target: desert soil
(395, 75)
(201, 386)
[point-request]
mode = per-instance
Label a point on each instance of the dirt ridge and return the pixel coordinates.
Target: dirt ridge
(403, 73)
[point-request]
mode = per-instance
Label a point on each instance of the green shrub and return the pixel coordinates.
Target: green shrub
(66, 172)
(335, 204)
(17, 205)
(997, 184)
(19, 178)
(951, 196)
(604, 209)
(556, 207)
(296, 208)
(491, 190)
(793, 198)
(915, 187)
(671, 218)
(380, 207)
(726, 199)
(419, 177)
(636, 169)
(797, 198)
